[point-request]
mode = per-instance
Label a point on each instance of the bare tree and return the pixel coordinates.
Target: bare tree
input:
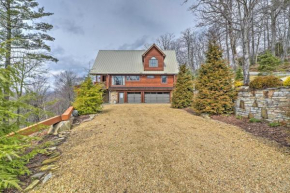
(64, 89)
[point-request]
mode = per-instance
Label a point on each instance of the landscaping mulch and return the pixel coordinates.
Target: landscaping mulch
(279, 134)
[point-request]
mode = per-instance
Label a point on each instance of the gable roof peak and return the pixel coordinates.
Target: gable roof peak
(154, 45)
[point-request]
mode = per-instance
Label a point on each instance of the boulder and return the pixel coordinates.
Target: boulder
(32, 185)
(37, 175)
(48, 167)
(50, 160)
(47, 177)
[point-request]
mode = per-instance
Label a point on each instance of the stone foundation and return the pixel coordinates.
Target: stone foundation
(271, 104)
(113, 97)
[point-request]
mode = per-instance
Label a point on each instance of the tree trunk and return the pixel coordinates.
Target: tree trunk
(7, 59)
(273, 32)
(233, 47)
(246, 67)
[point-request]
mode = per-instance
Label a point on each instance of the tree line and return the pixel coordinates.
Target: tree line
(25, 94)
(244, 29)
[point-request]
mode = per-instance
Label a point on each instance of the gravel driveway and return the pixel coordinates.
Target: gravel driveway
(154, 148)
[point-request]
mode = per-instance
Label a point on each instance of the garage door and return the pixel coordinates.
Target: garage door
(134, 97)
(157, 97)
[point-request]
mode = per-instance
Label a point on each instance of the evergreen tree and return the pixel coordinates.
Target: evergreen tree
(22, 37)
(215, 84)
(239, 75)
(268, 62)
(183, 91)
(89, 97)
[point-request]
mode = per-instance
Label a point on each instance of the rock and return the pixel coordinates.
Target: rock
(206, 116)
(32, 185)
(75, 113)
(51, 148)
(61, 126)
(251, 116)
(242, 104)
(55, 154)
(264, 113)
(50, 130)
(255, 104)
(50, 160)
(47, 177)
(38, 175)
(48, 167)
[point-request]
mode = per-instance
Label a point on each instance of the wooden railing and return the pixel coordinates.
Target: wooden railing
(44, 124)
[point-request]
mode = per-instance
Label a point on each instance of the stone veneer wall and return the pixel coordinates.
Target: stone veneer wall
(269, 104)
(113, 97)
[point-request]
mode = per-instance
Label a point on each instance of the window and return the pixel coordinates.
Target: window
(164, 79)
(118, 80)
(150, 77)
(153, 62)
(133, 78)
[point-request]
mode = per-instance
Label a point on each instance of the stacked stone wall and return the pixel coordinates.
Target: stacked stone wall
(271, 104)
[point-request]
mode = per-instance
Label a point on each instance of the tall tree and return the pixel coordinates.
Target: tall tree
(183, 91)
(23, 35)
(215, 84)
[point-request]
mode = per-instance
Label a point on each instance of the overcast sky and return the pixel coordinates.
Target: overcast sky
(82, 27)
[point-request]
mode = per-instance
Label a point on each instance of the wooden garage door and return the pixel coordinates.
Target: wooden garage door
(157, 97)
(134, 97)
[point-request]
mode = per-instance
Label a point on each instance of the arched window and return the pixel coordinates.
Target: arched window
(153, 62)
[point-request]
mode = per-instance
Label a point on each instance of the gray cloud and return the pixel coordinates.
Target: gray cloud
(135, 45)
(69, 26)
(82, 27)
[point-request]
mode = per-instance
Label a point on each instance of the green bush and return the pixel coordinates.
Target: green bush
(13, 160)
(89, 97)
(262, 82)
(239, 75)
(254, 120)
(215, 84)
(274, 124)
(268, 62)
(183, 91)
(287, 82)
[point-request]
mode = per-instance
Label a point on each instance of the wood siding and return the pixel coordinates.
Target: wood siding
(154, 53)
(147, 82)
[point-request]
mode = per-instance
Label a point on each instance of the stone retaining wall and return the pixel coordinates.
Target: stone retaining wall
(269, 104)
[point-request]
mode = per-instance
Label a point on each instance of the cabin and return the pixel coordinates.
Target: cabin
(136, 76)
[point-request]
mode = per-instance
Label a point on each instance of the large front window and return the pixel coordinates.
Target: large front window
(118, 80)
(153, 62)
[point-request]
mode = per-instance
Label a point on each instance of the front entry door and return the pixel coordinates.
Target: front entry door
(121, 97)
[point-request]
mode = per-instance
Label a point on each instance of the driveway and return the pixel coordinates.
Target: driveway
(154, 148)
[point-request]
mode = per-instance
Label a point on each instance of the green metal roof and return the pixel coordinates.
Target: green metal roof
(130, 62)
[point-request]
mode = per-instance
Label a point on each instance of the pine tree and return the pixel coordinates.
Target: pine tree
(22, 36)
(215, 84)
(183, 91)
(89, 97)
(239, 75)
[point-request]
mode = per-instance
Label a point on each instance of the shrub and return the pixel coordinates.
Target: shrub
(13, 161)
(287, 82)
(239, 75)
(268, 62)
(183, 91)
(254, 120)
(263, 82)
(89, 97)
(274, 124)
(238, 84)
(215, 84)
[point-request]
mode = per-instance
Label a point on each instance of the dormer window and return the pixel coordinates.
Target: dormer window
(153, 62)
